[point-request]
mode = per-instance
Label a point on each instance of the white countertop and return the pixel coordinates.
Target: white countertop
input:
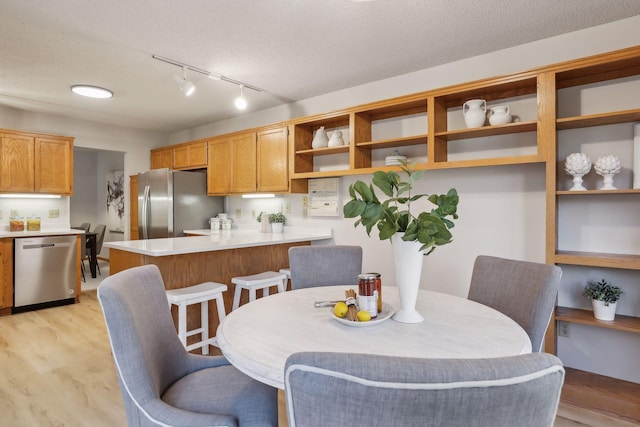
(221, 240)
(41, 233)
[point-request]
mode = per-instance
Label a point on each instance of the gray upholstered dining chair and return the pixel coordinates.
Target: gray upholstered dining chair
(324, 389)
(324, 265)
(162, 384)
(525, 291)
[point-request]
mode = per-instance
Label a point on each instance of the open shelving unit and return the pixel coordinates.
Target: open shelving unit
(582, 388)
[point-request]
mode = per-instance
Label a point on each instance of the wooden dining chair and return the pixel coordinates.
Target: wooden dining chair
(324, 265)
(345, 389)
(525, 291)
(162, 384)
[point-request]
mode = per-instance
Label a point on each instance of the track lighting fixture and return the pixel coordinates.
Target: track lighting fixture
(187, 87)
(241, 101)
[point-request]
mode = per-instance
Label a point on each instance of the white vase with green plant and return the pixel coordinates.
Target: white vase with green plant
(276, 221)
(411, 236)
(604, 298)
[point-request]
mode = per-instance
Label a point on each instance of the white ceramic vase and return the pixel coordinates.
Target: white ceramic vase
(475, 113)
(602, 311)
(320, 140)
(408, 263)
(277, 227)
(336, 139)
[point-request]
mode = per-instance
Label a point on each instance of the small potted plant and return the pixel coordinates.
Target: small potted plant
(277, 221)
(604, 297)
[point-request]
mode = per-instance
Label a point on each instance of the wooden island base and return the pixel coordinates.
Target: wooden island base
(179, 271)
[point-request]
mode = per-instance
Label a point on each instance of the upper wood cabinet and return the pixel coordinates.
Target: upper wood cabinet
(231, 165)
(247, 162)
(190, 156)
(243, 164)
(219, 166)
(32, 163)
(17, 163)
(272, 160)
(53, 166)
(161, 158)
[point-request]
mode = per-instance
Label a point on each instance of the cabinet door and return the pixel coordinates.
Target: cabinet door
(243, 177)
(133, 211)
(219, 166)
(273, 171)
(16, 163)
(54, 166)
(161, 158)
(190, 156)
(6, 273)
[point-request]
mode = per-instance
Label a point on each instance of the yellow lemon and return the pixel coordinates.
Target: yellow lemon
(340, 309)
(364, 316)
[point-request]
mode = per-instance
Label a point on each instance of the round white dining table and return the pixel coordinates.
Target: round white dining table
(258, 337)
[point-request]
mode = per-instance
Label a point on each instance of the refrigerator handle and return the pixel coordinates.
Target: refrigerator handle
(145, 212)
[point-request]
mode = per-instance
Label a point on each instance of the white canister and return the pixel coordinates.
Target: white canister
(223, 216)
(215, 223)
(226, 224)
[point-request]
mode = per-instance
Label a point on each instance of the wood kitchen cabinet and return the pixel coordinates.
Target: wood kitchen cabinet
(247, 162)
(34, 163)
(161, 158)
(133, 211)
(231, 165)
(272, 160)
(6, 276)
(16, 158)
(219, 166)
(192, 155)
(53, 166)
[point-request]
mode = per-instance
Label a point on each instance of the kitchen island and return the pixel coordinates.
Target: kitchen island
(208, 256)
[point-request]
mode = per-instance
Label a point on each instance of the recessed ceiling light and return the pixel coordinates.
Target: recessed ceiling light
(91, 91)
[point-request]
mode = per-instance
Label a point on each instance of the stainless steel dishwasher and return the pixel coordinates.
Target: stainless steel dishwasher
(44, 272)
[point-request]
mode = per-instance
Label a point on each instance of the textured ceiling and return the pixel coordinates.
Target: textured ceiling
(292, 49)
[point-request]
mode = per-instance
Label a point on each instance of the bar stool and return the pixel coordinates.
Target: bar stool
(202, 293)
(257, 281)
(286, 271)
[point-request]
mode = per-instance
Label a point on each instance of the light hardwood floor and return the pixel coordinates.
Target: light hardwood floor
(56, 369)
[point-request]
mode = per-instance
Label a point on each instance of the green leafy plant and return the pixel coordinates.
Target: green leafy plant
(602, 291)
(277, 217)
(394, 215)
(274, 217)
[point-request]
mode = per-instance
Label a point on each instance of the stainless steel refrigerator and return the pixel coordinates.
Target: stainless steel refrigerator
(170, 202)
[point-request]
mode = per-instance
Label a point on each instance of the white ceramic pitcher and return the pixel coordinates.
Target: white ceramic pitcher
(475, 112)
(499, 115)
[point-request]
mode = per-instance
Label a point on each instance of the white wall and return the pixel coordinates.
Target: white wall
(502, 209)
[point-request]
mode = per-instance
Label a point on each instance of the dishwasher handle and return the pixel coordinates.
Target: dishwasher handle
(38, 246)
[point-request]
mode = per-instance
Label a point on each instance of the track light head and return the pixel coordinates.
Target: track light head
(186, 87)
(241, 101)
